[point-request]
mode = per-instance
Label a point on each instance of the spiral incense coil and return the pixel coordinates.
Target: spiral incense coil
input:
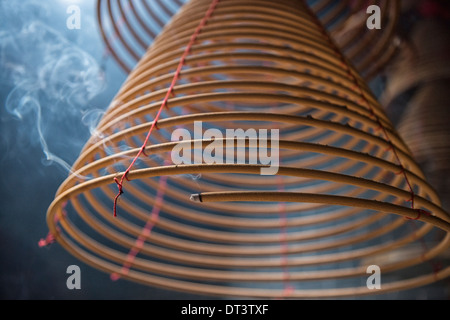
(340, 194)
(126, 31)
(125, 26)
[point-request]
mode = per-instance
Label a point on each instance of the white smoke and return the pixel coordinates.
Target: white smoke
(52, 79)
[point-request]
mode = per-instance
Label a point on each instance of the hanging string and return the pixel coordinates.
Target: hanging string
(169, 93)
(146, 231)
(154, 216)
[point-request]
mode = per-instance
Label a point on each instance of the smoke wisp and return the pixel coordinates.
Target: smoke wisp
(52, 82)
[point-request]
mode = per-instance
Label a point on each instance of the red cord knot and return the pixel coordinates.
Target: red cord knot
(288, 291)
(49, 239)
(114, 276)
(142, 150)
(372, 113)
(120, 187)
(411, 200)
(420, 212)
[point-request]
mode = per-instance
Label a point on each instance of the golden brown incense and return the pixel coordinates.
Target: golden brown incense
(340, 196)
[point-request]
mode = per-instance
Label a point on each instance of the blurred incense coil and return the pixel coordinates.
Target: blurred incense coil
(127, 32)
(424, 59)
(368, 50)
(339, 197)
(428, 135)
(417, 92)
(128, 27)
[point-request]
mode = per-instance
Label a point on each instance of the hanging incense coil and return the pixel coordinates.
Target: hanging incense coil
(340, 194)
(126, 32)
(428, 135)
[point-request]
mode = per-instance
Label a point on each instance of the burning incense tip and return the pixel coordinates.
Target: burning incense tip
(196, 197)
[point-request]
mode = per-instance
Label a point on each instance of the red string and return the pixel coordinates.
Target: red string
(193, 38)
(146, 231)
(420, 212)
(51, 238)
